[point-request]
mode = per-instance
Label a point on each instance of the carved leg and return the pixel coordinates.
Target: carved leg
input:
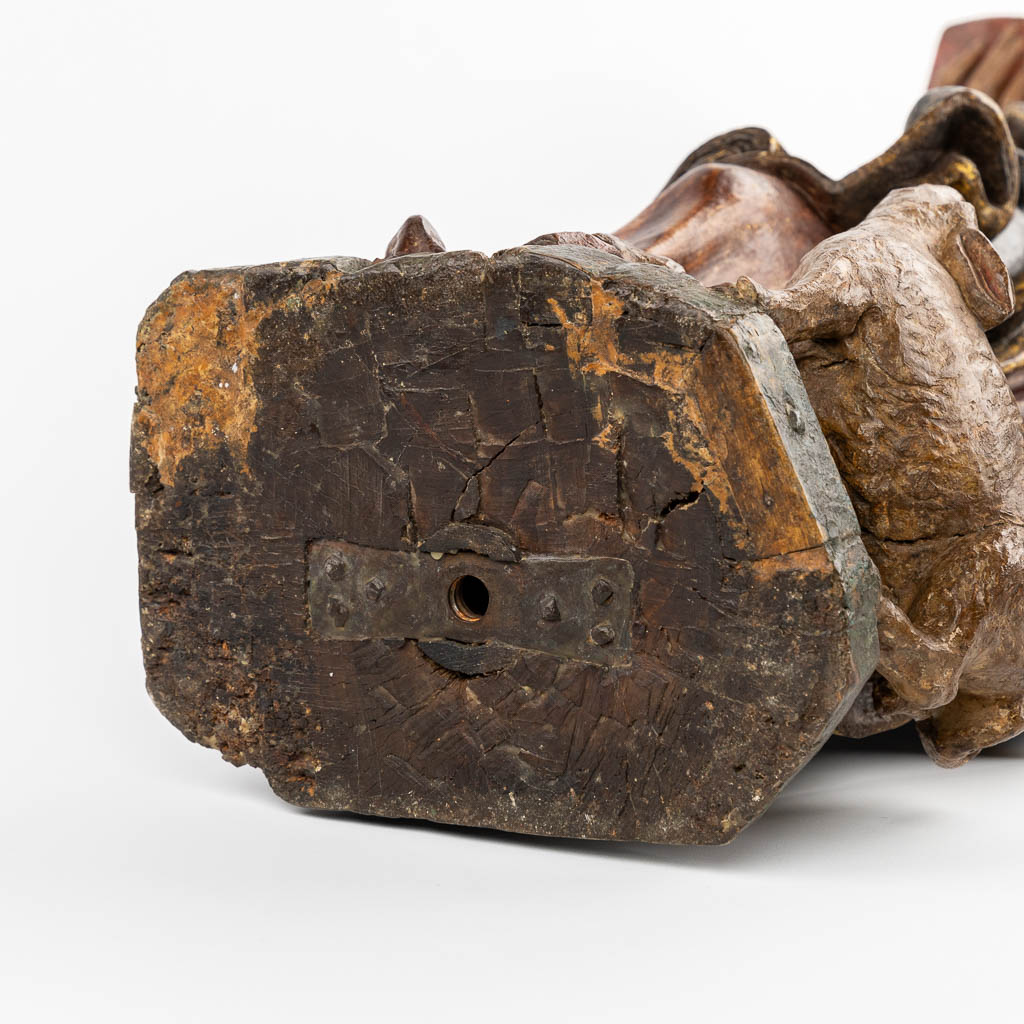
(923, 670)
(957, 653)
(961, 730)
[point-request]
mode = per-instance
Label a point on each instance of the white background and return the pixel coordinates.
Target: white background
(141, 878)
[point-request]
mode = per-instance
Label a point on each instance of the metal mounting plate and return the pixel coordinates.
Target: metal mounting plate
(575, 607)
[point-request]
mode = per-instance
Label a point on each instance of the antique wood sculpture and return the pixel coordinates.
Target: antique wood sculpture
(584, 538)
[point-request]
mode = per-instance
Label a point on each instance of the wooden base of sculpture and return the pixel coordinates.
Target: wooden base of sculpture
(549, 542)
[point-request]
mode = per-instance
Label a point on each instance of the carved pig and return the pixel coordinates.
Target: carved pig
(886, 323)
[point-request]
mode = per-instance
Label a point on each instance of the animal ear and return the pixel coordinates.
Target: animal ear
(981, 274)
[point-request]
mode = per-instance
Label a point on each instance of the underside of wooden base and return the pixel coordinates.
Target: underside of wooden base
(331, 459)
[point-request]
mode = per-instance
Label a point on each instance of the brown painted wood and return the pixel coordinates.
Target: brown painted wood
(722, 222)
(557, 399)
(987, 55)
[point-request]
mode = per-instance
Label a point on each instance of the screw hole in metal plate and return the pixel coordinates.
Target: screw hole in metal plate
(469, 598)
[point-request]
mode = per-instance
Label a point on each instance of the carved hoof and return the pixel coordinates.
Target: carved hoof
(547, 542)
(961, 730)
